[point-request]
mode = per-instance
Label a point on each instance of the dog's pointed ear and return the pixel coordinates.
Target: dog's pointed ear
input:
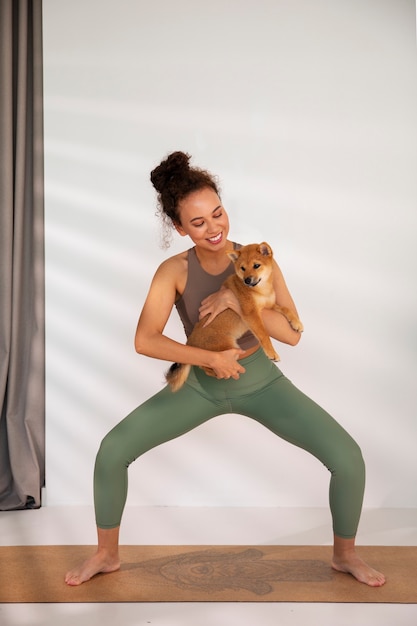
(233, 255)
(265, 249)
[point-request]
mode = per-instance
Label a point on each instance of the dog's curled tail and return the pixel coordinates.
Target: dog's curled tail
(177, 375)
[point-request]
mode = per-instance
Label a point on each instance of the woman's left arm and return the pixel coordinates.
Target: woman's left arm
(275, 323)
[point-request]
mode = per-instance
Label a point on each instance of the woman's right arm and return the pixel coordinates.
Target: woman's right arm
(149, 337)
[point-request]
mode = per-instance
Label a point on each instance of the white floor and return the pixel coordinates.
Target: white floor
(205, 526)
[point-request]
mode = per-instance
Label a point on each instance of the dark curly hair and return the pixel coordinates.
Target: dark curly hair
(174, 179)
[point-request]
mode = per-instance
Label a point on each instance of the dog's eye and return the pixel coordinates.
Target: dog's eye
(242, 267)
(256, 266)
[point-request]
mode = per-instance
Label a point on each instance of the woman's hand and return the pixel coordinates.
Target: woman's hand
(226, 365)
(217, 303)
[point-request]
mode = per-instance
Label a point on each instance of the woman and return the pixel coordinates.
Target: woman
(246, 381)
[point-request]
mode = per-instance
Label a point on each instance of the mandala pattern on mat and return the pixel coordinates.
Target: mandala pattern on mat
(217, 571)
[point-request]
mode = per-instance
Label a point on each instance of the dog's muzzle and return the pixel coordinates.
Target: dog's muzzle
(251, 282)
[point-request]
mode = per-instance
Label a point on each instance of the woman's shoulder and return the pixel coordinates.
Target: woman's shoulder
(174, 269)
(173, 272)
(175, 263)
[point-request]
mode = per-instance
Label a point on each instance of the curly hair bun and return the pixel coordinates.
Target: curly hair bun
(174, 166)
(174, 180)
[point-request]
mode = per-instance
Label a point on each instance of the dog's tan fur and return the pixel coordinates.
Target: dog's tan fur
(252, 284)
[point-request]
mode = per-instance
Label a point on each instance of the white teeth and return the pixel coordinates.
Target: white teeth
(216, 238)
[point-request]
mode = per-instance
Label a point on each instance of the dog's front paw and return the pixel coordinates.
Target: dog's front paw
(296, 325)
(274, 356)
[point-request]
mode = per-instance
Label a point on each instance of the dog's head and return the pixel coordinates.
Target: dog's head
(253, 263)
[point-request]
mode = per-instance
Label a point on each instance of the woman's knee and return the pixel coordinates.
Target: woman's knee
(355, 454)
(111, 453)
(349, 460)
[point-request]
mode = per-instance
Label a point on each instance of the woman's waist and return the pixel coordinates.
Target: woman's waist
(259, 371)
(250, 351)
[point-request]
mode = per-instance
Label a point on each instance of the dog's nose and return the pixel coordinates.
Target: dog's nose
(248, 280)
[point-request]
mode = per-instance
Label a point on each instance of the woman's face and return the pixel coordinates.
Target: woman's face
(204, 219)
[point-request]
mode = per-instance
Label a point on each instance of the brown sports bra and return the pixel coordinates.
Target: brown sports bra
(199, 285)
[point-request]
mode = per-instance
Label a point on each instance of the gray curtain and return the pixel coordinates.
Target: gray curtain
(22, 378)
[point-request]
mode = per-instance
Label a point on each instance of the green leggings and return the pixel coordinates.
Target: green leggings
(262, 393)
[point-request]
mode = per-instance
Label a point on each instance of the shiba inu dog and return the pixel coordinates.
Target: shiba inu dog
(253, 286)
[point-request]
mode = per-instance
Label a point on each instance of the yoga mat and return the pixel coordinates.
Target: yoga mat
(206, 574)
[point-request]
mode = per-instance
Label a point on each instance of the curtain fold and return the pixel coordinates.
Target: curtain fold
(22, 310)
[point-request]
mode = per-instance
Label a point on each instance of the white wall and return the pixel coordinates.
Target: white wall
(306, 110)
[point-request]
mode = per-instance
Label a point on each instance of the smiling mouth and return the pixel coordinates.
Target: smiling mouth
(215, 239)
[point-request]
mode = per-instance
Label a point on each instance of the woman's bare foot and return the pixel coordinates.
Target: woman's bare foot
(346, 560)
(100, 563)
(359, 569)
(104, 561)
